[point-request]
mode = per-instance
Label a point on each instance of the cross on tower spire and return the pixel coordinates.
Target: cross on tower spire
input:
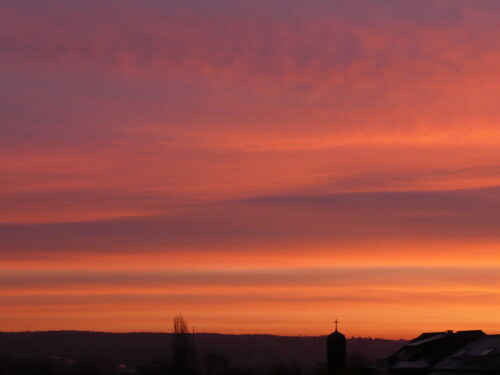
(336, 325)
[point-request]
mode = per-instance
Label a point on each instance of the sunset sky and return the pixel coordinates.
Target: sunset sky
(260, 166)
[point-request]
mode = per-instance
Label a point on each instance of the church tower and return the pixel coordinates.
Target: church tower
(336, 352)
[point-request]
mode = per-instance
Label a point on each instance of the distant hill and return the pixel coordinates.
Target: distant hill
(134, 349)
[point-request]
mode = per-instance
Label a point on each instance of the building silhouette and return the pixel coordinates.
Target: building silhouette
(336, 352)
(450, 353)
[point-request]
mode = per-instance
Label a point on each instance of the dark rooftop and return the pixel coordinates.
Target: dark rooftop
(430, 348)
(481, 354)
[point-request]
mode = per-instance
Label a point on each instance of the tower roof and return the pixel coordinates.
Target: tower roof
(336, 332)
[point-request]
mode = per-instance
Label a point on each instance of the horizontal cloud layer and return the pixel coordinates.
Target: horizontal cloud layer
(409, 216)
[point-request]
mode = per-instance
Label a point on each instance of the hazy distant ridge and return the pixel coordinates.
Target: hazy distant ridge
(138, 348)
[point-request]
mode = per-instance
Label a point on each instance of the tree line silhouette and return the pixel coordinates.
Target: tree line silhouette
(180, 353)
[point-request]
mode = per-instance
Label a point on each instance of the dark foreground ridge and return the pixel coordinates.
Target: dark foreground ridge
(109, 350)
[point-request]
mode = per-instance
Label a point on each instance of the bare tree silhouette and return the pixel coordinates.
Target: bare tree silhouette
(184, 356)
(180, 325)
